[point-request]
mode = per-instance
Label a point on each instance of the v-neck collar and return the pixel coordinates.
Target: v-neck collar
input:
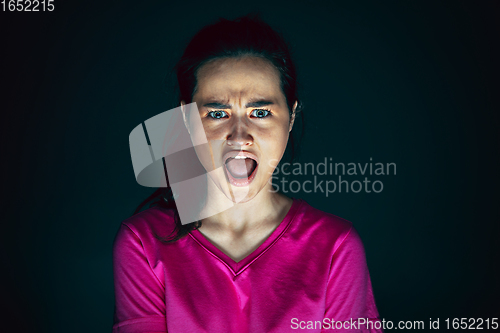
(238, 267)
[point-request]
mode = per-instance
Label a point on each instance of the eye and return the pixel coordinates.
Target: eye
(260, 113)
(217, 114)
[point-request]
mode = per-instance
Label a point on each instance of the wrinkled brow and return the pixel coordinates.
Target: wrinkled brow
(254, 104)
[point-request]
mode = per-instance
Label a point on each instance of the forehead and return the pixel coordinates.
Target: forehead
(245, 77)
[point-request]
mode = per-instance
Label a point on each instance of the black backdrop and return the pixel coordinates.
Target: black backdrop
(410, 83)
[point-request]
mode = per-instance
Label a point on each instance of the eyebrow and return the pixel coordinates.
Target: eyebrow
(256, 104)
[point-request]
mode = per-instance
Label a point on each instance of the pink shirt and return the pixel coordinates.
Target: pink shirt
(311, 271)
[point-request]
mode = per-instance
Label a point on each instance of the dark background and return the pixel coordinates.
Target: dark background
(414, 83)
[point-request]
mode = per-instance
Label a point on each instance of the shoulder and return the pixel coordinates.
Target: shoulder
(329, 223)
(324, 226)
(145, 225)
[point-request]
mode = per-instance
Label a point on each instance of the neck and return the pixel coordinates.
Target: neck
(265, 208)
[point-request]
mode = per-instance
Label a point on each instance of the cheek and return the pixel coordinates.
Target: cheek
(196, 129)
(214, 133)
(213, 130)
(204, 156)
(274, 141)
(203, 132)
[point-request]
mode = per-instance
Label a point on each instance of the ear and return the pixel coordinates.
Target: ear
(184, 115)
(292, 117)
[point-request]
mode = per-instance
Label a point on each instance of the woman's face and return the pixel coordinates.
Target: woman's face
(246, 121)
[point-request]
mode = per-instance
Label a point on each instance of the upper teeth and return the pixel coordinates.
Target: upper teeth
(240, 157)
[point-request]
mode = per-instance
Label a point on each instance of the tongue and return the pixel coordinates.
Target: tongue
(241, 168)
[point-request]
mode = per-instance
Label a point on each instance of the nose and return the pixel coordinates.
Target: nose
(239, 133)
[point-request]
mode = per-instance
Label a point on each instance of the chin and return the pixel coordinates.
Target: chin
(240, 194)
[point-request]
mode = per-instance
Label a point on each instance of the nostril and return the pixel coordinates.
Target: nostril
(240, 140)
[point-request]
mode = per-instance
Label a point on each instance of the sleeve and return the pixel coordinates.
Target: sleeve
(350, 304)
(139, 294)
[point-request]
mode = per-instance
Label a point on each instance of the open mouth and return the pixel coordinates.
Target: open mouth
(240, 170)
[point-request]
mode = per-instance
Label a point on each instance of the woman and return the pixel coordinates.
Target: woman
(268, 263)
